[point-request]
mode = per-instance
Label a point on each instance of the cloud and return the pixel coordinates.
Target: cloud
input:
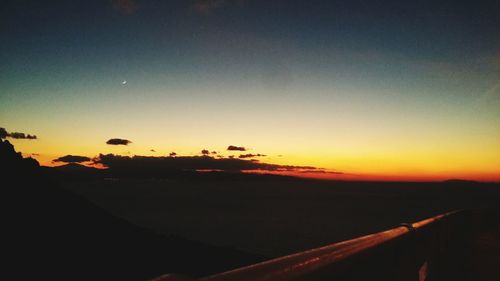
(126, 7)
(207, 6)
(172, 154)
(205, 152)
(15, 135)
(249, 155)
(236, 148)
(158, 166)
(321, 171)
(152, 150)
(118, 142)
(72, 159)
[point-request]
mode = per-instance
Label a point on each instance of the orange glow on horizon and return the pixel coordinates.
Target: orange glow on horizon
(357, 164)
(384, 177)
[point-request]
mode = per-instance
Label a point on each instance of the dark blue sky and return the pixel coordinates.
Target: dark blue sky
(432, 30)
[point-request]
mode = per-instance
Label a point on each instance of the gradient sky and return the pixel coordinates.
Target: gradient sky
(385, 90)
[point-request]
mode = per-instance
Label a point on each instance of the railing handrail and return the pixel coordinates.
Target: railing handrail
(298, 265)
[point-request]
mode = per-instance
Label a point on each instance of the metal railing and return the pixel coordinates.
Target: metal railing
(431, 249)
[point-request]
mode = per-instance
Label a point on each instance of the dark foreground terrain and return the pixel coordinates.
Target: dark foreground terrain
(276, 216)
(49, 233)
(78, 223)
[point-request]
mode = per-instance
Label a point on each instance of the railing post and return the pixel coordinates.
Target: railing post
(411, 264)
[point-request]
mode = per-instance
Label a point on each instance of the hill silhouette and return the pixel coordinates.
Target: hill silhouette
(78, 172)
(74, 171)
(54, 234)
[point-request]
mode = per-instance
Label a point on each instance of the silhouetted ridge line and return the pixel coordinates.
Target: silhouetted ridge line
(53, 234)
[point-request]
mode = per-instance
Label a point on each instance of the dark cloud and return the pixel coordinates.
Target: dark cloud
(155, 166)
(237, 148)
(207, 6)
(214, 152)
(118, 142)
(172, 154)
(152, 150)
(15, 135)
(126, 7)
(249, 155)
(321, 171)
(72, 159)
(205, 152)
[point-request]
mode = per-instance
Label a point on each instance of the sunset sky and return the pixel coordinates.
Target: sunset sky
(391, 90)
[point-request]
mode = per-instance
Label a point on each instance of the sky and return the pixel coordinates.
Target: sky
(384, 90)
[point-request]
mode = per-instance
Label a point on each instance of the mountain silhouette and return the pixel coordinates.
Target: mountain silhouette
(54, 234)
